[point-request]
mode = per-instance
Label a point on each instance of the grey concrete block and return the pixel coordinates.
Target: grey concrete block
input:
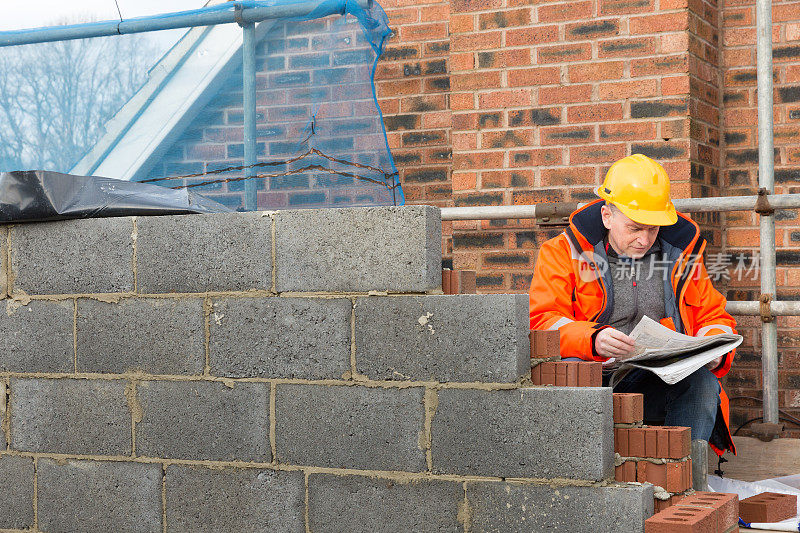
(433, 338)
(350, 427)
(153, 335)
(75, 416)
(397, 249)
(306, 338)
(16, 503)
(37, 337)
(247, 500)
(508, 508)
(73, 257)
(199, 253)
(532, 432)
(369, 505)
(99, 496)
(204, 420)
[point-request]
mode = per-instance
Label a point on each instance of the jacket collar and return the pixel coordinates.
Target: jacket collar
(587, 225)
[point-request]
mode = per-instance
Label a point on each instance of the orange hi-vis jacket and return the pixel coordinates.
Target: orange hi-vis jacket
(572, 291)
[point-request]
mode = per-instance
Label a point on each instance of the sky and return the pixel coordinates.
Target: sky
(19, 14)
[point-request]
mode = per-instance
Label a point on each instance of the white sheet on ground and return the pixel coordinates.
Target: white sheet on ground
(745, 489)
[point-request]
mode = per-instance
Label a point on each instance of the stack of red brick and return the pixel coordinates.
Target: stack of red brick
(655, 454)
(458, 281)
(701, 512)
(547, 368)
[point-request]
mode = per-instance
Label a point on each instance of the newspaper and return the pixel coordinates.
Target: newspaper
(671, 355)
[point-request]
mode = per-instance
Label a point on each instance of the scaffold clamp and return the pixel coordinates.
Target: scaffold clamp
(763, 206)
(766, 310)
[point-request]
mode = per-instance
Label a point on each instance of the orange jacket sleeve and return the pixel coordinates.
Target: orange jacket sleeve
(709, 313)
(552, 287)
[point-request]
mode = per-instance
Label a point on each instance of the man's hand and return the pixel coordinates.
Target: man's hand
(711, 365)
(610, 342)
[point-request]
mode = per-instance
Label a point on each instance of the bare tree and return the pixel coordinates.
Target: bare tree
(55, 98)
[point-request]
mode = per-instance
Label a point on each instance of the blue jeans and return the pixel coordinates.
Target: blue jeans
(691, 402)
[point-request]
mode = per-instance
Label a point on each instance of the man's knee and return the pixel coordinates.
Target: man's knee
(702, 384)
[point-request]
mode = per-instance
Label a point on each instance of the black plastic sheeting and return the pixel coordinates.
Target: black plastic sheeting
(38, 195)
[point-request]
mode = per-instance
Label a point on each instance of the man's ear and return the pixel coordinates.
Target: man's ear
(605, 214)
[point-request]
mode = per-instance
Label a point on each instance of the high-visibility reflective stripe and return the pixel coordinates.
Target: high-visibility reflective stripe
(563, 321)
(574, 252)
(705, 329)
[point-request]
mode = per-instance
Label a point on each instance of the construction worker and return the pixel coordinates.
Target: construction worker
(624, 256)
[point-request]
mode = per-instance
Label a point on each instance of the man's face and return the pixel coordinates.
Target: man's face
(627, 237)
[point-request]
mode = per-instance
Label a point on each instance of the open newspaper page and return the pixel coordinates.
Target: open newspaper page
(671, 355)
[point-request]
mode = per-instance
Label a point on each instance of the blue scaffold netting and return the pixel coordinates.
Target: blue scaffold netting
(174, 116)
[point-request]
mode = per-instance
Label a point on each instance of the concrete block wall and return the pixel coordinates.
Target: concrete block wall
(202, 373)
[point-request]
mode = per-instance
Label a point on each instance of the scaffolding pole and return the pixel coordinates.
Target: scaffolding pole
(766, 180)
(232, 12)
(563, 209)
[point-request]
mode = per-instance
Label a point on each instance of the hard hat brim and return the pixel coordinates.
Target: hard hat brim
(650, 218)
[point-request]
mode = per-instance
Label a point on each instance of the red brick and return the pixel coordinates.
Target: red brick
(465, 6)
(594, 113)
(628, 131)
(545, 343)
(621, 438)
(455, 282)
(528, 36)
(628, 89)
(627, 47)
(572, 373)
(636, 445)
(683, 519)
(626, 472)
(504, 19)
(621, 7)
(463, 23)
(592, 29)
(590, 374)
(651, 473)
(628, 408)
(530, 77)
(596, 71)
(566, 94)
(517, 57)
(768, 507)
(567, 135)
(505, 99)
(548, 373)
(651, 442)
(679, 442)
(672, 64)
(726, 506)
(659, 23)
(536, 375)
(535, 157)
(677, 478)
(564, 53)
(468, 282)
(561, 374)
(423, 32)
(476, 41)
(560, 177)
(446, 280)
(565, 11)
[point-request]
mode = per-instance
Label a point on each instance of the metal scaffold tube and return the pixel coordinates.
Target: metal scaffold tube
(223, 14)
(766, 180)
(249, 103)
(563, 209)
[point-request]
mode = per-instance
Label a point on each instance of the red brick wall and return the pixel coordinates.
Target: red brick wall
(544, 95)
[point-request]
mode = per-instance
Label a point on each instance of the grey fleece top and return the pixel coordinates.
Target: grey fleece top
(638, 287)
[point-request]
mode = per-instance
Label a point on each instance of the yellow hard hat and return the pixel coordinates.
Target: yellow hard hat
(639, 187)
